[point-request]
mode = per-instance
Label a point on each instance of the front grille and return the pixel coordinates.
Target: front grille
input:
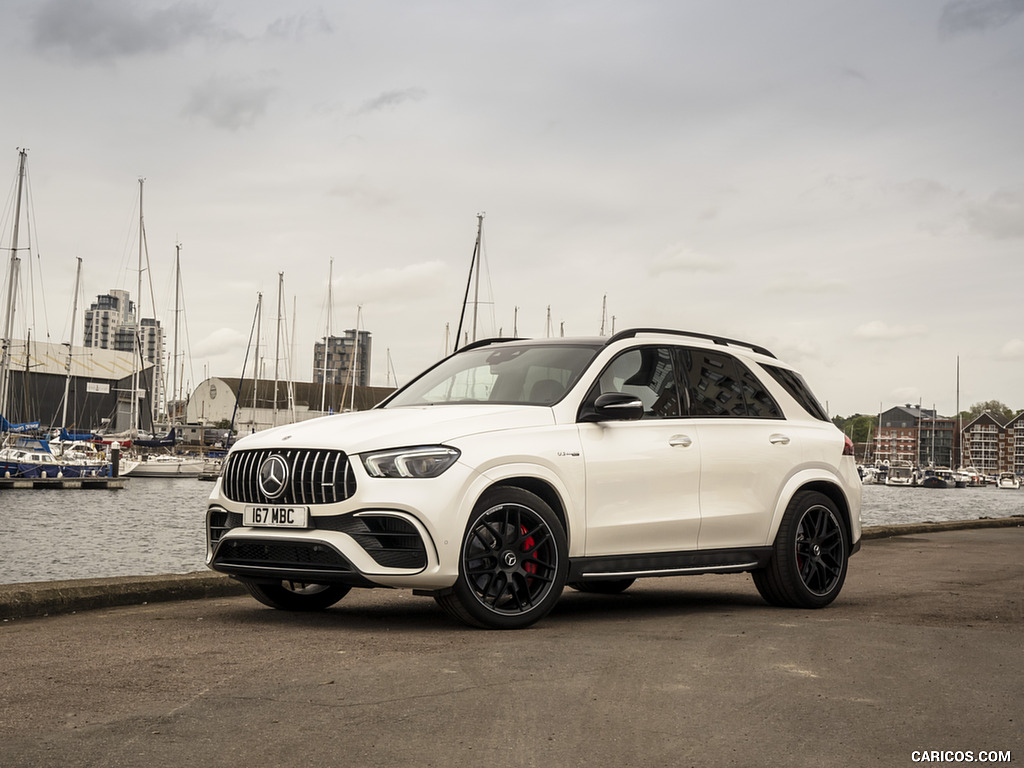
(314, 477)
(298, 555)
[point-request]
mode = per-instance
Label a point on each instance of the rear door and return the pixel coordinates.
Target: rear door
(748, 450)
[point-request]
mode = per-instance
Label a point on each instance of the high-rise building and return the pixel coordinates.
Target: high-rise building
(343, 354)
(111, 323)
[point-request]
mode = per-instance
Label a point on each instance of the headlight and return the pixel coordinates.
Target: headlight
(428, 461)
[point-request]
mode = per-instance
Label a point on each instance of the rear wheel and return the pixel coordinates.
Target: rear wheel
(298, 596)
(811, 554)
(513, 562)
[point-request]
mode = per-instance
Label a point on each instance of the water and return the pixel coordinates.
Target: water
(155, 526)
(893, 505)
(151, 526)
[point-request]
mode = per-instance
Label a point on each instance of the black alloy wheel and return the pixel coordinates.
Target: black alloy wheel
(513, 562)
(811, 555)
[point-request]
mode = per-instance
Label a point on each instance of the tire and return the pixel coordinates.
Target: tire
(811, 554)
(298, 596)
(512, 564)
(611, 587)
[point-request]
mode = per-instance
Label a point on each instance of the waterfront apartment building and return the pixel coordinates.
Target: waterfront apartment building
(343, 353)
(909, 433)
(993, 444)
(921, 437)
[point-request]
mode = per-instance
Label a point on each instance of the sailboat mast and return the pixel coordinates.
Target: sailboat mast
(71, 346)
(474, 266)
(12, 290)
(476, 282)
(355, 359)
(256, 358)
(327, 338)
(137, 338)
(277, 341)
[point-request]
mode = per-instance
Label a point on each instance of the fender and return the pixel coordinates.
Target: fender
(803, 478)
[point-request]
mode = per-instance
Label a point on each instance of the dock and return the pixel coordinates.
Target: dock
(102, 483)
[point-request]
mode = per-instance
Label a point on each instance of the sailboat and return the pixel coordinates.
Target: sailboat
(146, 463)
(24, 454)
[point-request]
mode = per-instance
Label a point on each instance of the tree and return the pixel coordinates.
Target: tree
(989, 406)
(860, 428)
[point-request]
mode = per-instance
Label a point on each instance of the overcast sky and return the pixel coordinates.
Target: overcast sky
(842, 182)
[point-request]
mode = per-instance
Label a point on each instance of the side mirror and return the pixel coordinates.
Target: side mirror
(614, 406)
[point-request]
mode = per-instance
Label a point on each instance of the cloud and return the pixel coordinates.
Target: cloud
(1012, 350)
(876, 330)
(680, 258)
(221, 341)
(963, 16)
(104, 30)
(395, 287)
(230, 105)
(362, 192)
(1000, 217)
(300, 27)
(390, 100)
(806, 285)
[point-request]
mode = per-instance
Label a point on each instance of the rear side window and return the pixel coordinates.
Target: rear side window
(720, 385)
(797, 388)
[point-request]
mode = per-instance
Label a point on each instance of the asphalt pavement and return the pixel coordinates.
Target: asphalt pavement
(921, 655)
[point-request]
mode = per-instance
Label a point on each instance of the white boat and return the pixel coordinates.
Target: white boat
(164, 465)
(900, 473)
(1008, 480)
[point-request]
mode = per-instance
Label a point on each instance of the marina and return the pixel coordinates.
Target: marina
(155, 526)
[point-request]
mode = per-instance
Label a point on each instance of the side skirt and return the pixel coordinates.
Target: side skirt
(668, 564)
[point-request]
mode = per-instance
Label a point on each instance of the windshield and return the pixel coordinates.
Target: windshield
(521, 374)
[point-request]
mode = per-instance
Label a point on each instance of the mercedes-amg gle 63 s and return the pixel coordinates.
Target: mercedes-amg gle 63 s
(514, 468)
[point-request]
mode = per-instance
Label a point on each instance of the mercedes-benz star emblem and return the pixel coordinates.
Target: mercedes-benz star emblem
(273, 476)
(511, 559)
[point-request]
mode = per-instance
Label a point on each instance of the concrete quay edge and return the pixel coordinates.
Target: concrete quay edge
(46, 598)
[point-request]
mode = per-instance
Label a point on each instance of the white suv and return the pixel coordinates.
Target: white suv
(513, 468)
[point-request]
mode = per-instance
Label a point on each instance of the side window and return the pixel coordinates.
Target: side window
(760, 404)
(797, 388)
(711, 379)
(647, 373)
(720, 385)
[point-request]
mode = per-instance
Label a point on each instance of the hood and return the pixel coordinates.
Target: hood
(398, 427)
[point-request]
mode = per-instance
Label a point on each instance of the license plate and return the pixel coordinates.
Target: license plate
(276, 516)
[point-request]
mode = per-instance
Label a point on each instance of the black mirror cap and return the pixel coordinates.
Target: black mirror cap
(613, 406)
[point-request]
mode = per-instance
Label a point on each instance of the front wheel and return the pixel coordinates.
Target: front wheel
(810, 557)
(297, 596)
(513, 563)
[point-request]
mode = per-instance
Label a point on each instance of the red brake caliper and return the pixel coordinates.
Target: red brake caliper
(528, 545)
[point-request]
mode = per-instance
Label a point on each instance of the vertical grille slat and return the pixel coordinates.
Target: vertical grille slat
(314, 476)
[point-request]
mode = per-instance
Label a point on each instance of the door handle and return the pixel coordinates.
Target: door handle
(680, 441)
(778, 439)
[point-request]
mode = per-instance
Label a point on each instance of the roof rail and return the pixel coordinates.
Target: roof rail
(485, 342)
(630, 333)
